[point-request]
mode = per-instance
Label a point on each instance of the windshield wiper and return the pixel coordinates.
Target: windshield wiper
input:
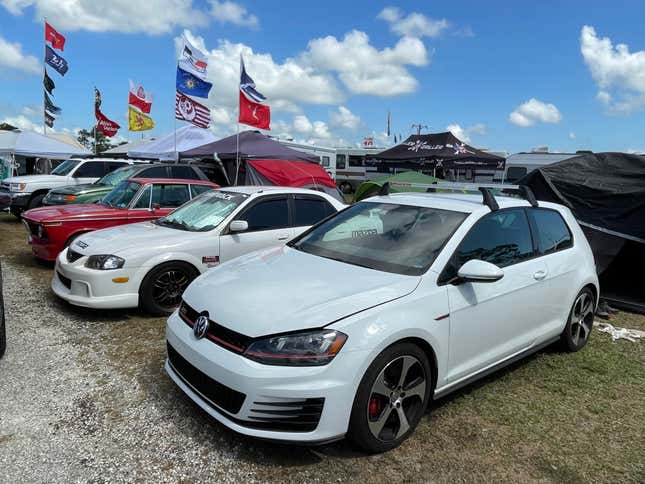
(174, 224)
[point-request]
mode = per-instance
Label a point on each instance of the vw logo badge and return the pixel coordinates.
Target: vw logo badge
(200, 327)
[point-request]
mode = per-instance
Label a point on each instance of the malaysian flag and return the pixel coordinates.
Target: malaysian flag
(247, 85)
(190, 110)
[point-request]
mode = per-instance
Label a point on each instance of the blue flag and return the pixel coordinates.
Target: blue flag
(192, 85)
(56, 61)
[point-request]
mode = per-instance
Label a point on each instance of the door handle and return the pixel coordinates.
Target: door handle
(539, 275)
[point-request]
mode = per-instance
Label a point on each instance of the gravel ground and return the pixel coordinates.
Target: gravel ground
(84, 398)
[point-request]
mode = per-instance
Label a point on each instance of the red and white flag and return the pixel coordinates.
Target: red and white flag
(254, 114)
(139, 98)
(105, 125)
(190, 110)
(57, 40)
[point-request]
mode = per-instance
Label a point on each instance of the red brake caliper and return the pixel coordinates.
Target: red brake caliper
(375, 407)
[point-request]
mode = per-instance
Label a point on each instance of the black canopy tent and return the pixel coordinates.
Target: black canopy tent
(251, 145)
(437, 150)
(606, 193)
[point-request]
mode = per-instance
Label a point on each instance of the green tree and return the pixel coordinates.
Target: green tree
(86, 138)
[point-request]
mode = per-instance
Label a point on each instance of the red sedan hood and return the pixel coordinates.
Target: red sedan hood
(81, 211)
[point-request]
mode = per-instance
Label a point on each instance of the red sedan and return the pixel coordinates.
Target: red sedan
(51, 229)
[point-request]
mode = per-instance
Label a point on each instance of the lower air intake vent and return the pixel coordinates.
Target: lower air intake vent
(287, 415)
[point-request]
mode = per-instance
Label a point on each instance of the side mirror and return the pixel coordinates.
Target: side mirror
(238, 226)
(476, 270)
(156, 206)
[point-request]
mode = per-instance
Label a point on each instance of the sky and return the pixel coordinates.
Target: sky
(505, 75)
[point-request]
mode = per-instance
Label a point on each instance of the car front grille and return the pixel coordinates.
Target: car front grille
(73, 256)
(214, 392)
(218, 334)
(287, 415)
(32, 227)
(67, 282)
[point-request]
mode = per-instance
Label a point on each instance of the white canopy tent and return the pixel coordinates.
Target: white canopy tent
(30, 144)
(168, 148)
(123, 150)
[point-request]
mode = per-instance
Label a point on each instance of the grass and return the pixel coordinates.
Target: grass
(553, 417)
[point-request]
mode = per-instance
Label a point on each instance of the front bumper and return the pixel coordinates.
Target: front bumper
(13, 200)
(288, 391)
(92, 288)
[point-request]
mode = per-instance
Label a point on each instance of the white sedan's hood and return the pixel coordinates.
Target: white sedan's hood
(131, 239)
(282, 289)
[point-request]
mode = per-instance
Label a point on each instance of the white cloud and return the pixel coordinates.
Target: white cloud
(344, 118)
(414, 24)
(23, 122)
(286, 84)
(363, 68)
(313, 130)
(464, 133)
(232, 12)
(617, 71)
(12, 57)
(533, 111)
(149, 16)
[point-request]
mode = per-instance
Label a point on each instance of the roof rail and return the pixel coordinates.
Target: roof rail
(486, 189)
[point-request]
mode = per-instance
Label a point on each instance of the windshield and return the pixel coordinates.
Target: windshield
(65, 167)
(121, 195)
(115, 177)
(204, 212)
(402, 239)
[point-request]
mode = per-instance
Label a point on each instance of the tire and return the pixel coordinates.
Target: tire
(580, 322)
(346, 188)
(376, 424)
(3, 334)
(36, 201)
(171, 277)
(16, 212)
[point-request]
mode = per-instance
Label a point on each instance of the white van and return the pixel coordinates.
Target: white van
(519, 164)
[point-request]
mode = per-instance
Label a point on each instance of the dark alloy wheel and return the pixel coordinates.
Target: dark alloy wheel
(576, 332)
(162, 288)
(391, 399)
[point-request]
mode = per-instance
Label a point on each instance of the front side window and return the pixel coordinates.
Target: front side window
(154, 172)
(501, 238)
(551, 230)
(143, 202)
(402, 239)
(65, 167)
(309, 211)
(115, 177)
(204, 213)
(169, 196)
(91, 169)
(121, 195)
(183, 173)
(267, 215)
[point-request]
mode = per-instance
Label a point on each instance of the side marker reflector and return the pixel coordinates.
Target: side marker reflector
(120, 280)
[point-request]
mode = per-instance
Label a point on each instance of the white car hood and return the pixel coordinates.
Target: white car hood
(36, 179)
(130, 239)
(282, 289)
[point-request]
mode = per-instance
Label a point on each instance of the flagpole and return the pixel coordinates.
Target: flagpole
(237, 150)
(44, 72)
(95, 123)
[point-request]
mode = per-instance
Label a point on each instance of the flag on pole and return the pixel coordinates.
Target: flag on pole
(55, 61)
(192, 59)
(51, 35)
(137, 121)
(49, 119)
(48, 83)
(49, 105)
(97, 98)
(105, 125)
(252, 111)
(139, 98)
(188, 109)
(191, 84)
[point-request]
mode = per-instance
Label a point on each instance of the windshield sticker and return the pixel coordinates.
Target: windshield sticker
(357, 234)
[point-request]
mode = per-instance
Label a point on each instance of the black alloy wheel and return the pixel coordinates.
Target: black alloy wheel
(576, 332)
(162, 288)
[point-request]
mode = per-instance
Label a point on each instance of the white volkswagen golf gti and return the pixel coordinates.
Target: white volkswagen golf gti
(353, 327)
(151, 263)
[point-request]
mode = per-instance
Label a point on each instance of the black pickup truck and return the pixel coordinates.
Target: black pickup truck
(3, 335)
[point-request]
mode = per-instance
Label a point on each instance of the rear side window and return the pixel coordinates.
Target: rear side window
(502, 238)
(268, 215)
(153, 172)
(514, 173)
(183, 173)
(169, 196)
(114, 165)
(91, 169)
(199, 189)
(309, 211)
(551, 231)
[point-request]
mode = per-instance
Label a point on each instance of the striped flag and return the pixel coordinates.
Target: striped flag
(190, 110)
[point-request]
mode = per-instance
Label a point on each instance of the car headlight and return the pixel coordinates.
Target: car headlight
(309, 348)
(104, 262)
(41, 232)
(17, 187)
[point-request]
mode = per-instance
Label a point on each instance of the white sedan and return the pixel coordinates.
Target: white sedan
(151, 263)
(352, 331)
